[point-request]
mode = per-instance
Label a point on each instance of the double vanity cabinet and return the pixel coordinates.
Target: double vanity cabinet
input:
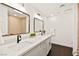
(28, 46)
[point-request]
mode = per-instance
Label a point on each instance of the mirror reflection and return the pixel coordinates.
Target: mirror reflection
(17, 22)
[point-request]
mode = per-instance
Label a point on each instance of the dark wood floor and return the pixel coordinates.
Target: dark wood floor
(58, 50)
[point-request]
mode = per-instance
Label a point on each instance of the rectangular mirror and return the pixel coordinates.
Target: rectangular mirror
(18, 22)
(38, 25)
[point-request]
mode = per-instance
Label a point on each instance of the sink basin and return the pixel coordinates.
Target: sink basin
(13, 48)
(32, 39)
(19, 46)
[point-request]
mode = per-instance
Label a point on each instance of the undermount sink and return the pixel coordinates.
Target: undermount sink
(13, 47)
(19, 46)
(32, 39)
(23, 43)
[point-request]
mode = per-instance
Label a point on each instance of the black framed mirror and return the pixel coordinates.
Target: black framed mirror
(18, 21)
(38, 25)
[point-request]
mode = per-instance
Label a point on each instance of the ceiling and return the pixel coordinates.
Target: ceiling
(48, 9)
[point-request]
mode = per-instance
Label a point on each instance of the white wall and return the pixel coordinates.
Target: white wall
(65, 25)
(4, 19)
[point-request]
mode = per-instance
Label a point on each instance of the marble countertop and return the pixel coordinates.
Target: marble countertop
(25, 45)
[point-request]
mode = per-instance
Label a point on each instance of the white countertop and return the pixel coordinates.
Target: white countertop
(25, 45)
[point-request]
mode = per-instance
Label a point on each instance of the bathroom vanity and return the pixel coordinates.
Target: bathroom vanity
(18, 22)
(30, 46)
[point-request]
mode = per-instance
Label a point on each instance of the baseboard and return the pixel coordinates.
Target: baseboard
(61, 44)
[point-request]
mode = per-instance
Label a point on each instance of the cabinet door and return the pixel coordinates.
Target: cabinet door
(34, 52)
(48, 45)
(43, 49)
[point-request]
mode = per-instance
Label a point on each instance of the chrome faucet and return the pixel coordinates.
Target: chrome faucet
(19, 38)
